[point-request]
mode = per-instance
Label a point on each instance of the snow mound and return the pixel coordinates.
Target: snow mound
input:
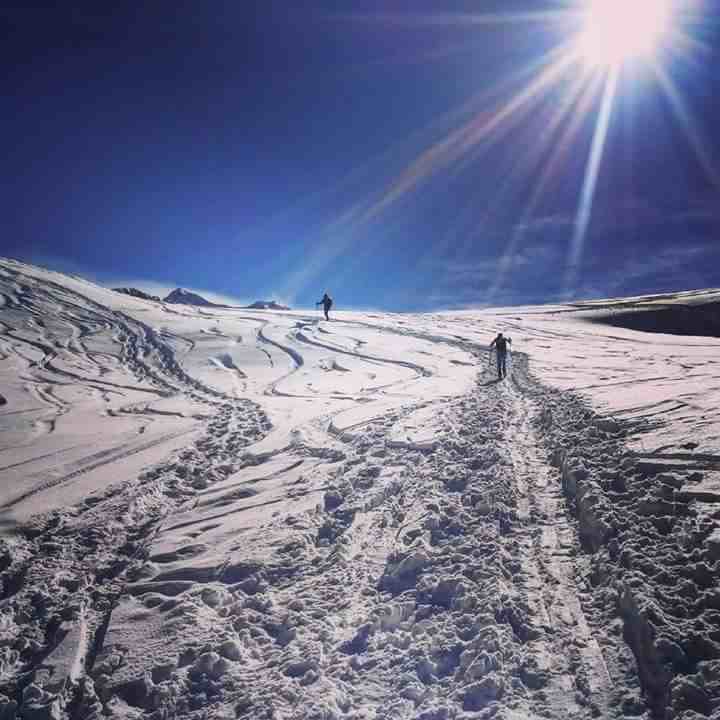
(331, 365)
(224, 360)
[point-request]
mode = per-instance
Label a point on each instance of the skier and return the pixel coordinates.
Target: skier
(326, 302)
(501, 348)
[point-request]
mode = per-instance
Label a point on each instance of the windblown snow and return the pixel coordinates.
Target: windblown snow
(236, 513)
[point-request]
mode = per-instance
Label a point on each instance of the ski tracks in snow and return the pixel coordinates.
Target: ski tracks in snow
(425, 584)
(62, 578)
(563, 657)
(62, 573)
(418, 581)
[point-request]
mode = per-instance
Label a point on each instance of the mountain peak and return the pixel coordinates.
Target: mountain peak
(185, 297)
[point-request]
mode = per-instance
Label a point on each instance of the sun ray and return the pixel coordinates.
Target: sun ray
(561, 149)
(446, 152)
(688, 47)
(694, 136)
(338, 234)
(592, 171)
(603, 36)
(450, 19)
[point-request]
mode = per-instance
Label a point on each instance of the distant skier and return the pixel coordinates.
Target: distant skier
(500, 343)
(326, 302)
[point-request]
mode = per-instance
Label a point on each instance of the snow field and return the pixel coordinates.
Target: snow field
(218, 513)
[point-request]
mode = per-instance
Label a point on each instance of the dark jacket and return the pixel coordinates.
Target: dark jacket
(501, 344)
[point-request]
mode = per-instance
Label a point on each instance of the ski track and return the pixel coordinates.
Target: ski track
(343, 574)
(80, 568)
(421, 371)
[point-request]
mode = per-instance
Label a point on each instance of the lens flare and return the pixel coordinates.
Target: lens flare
(568, 86)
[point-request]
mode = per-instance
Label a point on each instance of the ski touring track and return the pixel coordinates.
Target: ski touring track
(426, 585)
(429, 585)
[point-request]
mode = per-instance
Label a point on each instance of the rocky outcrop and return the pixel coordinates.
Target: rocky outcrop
(134, 292)
(267, 305)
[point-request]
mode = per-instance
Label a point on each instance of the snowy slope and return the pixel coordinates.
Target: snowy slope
(220, 513)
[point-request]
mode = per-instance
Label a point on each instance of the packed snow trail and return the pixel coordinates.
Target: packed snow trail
(430, 589)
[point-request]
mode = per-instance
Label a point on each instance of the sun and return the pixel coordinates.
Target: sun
(615, 31)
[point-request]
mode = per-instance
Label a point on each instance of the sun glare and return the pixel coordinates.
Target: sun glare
(595, 40)
(615, 31)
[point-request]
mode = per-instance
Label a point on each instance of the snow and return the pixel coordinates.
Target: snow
(212, 512)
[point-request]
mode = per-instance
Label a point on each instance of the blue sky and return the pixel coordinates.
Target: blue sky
(279, 149)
